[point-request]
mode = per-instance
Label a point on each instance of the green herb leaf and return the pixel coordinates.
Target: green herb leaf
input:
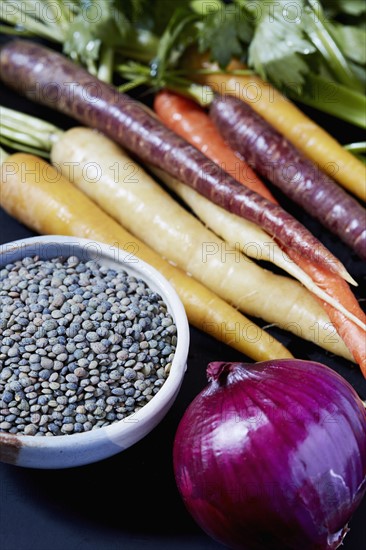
(156, 15)
(81, 44)
(225, 32)
(350, 7)
(319, 30)
(180, 33)
(352, 41)
(99, 23)
(279, 47)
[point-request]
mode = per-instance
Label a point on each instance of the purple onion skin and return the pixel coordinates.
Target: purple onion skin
(272, 455)
(275, 158)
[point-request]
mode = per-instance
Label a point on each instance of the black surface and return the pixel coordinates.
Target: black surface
(130, 501)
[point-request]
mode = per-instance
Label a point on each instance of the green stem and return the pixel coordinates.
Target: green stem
(202, 7)
(134, 83)
(327, 46)
(24, 148)
(332, 98)
(28, 121)
(24, 138)
(26, 21)
(359, 147)
(237, 72)
(167, 41)
(61, 12)
(135, 72)
(105, 69)
(129, 52)
(142, 45)
(36, 136)
(6, 29)
(203, 95)
(141, 74)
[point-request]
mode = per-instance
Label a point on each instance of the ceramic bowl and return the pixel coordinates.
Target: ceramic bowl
(65, 451)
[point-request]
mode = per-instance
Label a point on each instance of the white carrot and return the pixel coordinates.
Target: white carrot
(35, 134)
(250, 238)
(37, 195)
(111, 179)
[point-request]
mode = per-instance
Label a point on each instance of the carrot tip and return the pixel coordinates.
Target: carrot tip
(347, 277)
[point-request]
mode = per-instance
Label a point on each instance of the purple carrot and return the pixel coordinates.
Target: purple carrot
(275, 158)
(51, 79)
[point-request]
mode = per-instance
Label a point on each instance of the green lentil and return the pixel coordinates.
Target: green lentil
(81, 345)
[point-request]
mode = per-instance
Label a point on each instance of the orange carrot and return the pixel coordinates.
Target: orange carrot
(191, 122)
(188, 119)
(352, 335)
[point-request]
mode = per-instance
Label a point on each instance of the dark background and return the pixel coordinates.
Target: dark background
(130, 501)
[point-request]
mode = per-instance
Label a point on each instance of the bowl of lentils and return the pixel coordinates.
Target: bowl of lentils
(93, 351)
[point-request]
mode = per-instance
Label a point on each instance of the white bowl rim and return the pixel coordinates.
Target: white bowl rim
(171, 385)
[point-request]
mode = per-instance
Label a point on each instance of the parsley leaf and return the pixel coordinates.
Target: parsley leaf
(350, 7)
(177, 37)
(225, 32)
(352, 41)
(278, 49)
(83, 39)
(157, 14)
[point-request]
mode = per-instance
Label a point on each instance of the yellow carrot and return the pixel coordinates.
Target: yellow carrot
(133, 198)
(288, 119)
(37, 195)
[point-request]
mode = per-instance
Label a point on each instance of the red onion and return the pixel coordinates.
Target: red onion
(273, 455)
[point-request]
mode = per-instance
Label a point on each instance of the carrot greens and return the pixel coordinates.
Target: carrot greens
(316, 43)
(34, 136)
(91, 33)
(324, 44)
